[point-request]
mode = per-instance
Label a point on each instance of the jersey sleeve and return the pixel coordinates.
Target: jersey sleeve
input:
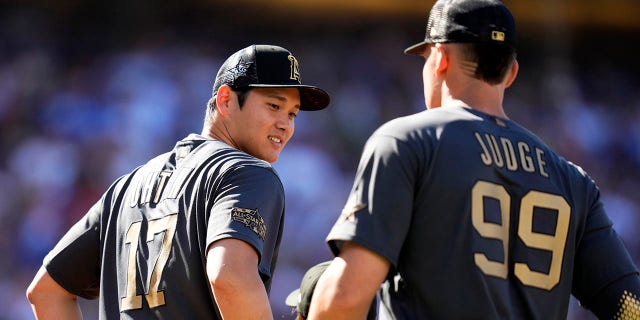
(378, 212)
(74, 263)
(249, 206)
(619, 300)
(601, 243)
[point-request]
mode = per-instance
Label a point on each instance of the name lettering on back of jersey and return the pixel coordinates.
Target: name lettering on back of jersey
(149, 188)
(251, 219)
(504, 153)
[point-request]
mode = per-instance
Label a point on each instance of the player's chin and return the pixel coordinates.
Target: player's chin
(272, 151)
(270, 156)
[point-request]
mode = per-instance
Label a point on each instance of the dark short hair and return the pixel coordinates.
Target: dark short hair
(242, 97)
(493, 60)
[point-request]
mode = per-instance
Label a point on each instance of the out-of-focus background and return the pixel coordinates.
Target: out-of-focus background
(91, 89)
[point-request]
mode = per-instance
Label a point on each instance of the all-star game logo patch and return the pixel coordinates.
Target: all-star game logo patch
(251, 219)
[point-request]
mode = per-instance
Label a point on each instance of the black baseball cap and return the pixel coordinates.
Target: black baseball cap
(301, 298)
(268, 66)
(468, 21)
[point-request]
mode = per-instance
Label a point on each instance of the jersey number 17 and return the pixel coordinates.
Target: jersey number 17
(154, 297)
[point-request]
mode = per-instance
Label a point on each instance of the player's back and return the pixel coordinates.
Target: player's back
(158, 267)
(496, 220)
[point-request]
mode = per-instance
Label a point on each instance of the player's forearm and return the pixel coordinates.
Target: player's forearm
(336, 298)
(328, 303)
(236, 284)
(52, 308)
(50, 301)
(243, 300)
(337, 313)
(349, 284)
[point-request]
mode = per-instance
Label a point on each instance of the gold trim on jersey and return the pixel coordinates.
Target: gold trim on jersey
(629, 307)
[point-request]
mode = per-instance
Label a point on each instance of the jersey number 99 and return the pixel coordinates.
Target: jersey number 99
(553, 243)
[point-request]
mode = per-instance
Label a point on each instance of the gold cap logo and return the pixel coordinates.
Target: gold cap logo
(497, 36)
(295, 68)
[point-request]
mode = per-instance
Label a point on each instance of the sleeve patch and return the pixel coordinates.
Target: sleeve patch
(252, 219)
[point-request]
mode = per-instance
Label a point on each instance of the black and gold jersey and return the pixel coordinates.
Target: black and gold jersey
(479, 218)
(142, 247)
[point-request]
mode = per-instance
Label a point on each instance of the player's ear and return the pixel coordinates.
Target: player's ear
(223, 99)
(442, 58)
(513, 72)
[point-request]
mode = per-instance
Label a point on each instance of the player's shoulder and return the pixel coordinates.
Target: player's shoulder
(576, 172)
(214, 150)
(426, 122)
(200, 150)
(216, 157)
(206, 156)
(572, 169)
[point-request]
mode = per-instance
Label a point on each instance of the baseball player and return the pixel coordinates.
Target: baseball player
(193, 233)
(461, 213)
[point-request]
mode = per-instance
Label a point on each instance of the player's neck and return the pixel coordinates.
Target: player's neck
(218, 131)
(479, 96)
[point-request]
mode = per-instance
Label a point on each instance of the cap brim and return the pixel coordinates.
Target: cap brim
(293, 298)
(311, 98)
(417, 49)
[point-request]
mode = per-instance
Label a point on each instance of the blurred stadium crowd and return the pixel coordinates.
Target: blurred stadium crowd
(80, 108)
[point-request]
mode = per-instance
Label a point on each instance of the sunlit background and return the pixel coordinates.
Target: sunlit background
(89, 90)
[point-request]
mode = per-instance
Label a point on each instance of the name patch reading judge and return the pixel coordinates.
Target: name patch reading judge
(511, 155)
